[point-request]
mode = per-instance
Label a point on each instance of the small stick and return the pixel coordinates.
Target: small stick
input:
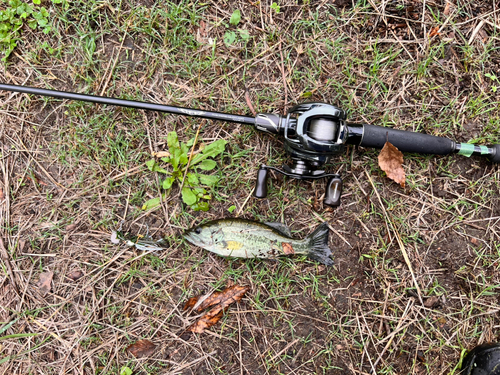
(249, 102)
(5, 256)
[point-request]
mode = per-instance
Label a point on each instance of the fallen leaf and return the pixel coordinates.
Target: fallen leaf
(474, 240)
(225, 298)
(75, 275)
(70, 227)
(141, 348)
(2, 195)
(206, 321)
(161, 154)
(434, 31)
(44, 283)
(203, 29)
(390, 161)
(432, 302)
(190, 303)
(447, 8)
(220, 300)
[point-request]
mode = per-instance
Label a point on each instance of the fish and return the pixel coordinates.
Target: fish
(244, 238)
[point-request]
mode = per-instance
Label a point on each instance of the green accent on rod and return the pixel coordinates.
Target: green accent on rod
(466, 149)
(484, 150)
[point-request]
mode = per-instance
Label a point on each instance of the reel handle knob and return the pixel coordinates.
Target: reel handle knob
(261, 183)
(333, 192)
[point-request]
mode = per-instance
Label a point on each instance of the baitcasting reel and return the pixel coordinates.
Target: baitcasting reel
(313, 133)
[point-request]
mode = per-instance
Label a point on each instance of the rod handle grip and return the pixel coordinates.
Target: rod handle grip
(375, 136)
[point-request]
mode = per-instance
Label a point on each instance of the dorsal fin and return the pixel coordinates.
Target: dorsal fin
(282, 228)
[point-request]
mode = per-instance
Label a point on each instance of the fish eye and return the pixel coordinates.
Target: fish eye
(197, 230)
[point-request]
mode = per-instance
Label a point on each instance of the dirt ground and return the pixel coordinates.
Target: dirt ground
(415, 282)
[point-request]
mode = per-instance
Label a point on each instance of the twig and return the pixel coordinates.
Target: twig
(249, 102)
(190, 156)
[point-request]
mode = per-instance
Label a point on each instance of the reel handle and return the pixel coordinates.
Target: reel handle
(261, 183)
(333, 189)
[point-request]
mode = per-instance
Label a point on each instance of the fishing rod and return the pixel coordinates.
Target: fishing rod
(313, 134)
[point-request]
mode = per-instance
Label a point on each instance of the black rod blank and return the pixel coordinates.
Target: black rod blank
(131, 104)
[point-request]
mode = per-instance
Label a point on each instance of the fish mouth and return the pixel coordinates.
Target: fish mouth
(194, 238)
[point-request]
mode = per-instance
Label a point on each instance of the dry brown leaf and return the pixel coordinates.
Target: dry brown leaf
(390, 161)
(225, 298)
(141, 348)
(207, 320)
(71, 227)
(434, 31)
(44, 283)
(161, 154)
(447, 8)
(191, 302)
(2, 195)
(220, 300)
(432, 302)
(75, 275)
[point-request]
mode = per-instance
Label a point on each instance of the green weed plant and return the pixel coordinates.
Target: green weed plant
(14, 16)
(185, 172)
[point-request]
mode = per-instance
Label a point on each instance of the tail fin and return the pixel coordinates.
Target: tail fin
(318, 243)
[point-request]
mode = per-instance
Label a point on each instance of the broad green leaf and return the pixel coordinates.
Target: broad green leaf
(151, 164)
(183, 158)
(208, 180)
(235, 17)
(175, 158)
(215, 148)
(244, 34)
(207, 165)
(201, 206)
(168, 182)
(125, 371)
(172, 142)
(192, 179)
(200, 191)
(212, 150)
(229, 37)
(152, 203)
(188, 196)
(232, 208)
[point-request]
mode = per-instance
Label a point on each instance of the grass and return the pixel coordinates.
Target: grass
(75, 171)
